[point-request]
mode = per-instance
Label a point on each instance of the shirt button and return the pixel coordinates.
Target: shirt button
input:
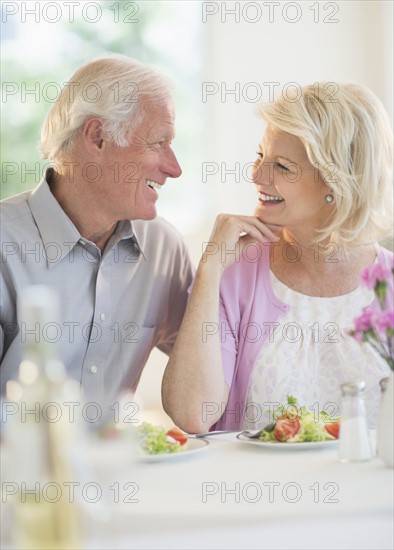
(102, 316)
(93, 369)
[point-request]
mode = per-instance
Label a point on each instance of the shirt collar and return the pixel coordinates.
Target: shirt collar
(58, 233)
(126, 230)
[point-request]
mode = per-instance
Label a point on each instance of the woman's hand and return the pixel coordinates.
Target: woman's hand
(230, 235)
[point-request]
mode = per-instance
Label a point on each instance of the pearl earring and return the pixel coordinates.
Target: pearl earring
(329, 198)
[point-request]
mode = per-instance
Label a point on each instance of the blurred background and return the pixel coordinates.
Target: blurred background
(222, 57)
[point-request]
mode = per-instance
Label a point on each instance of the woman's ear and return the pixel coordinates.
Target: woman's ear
(93, 134)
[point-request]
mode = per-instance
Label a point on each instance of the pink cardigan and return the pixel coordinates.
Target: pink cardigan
(248, 311)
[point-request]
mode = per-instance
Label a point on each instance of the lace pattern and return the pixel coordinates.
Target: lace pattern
(310, 355)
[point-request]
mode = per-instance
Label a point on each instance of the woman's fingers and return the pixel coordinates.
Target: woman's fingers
(257, 229)
(233, 227)
(234, 232)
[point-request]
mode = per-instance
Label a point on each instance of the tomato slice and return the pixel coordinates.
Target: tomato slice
(285, 429)
(333, 429)
(178, 435)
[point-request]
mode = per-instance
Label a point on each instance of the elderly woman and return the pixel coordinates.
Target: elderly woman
(276, 293)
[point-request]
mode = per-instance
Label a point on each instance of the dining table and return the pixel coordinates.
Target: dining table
(223, 492)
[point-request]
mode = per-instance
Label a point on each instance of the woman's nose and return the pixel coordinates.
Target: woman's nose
(263, 173)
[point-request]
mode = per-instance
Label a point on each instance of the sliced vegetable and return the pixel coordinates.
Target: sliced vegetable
(298, 424)
(178, 435)
(333, 429)
(157, 441)
(286, 429)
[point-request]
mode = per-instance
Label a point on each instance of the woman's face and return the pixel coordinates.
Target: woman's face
(290, 189)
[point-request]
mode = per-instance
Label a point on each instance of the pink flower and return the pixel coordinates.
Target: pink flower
(377, 329)
(358, 336)
(374, 273)
(384, 321)
(365, 321)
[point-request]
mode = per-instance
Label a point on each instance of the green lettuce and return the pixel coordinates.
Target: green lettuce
(311, 428)
(157, 441)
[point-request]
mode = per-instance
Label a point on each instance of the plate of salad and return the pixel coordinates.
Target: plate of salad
(296, 427)
(159, 444)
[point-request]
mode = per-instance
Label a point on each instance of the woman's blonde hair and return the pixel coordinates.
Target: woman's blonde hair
(347, 136)
(115, 89)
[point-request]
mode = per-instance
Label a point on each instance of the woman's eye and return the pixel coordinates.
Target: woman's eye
(259, 154)
(281, 167)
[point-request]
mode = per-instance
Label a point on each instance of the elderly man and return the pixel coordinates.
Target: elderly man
(89, 230)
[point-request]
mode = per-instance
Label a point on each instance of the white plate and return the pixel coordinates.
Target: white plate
(297, 446)
(193, 446)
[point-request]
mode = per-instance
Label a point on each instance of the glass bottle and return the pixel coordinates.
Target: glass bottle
(354, 440)
(385, 429)
(46, 514)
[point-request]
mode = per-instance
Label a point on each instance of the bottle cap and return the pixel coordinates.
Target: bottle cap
(38, 320)
(353, 387)
(384, 383)
(38, 304)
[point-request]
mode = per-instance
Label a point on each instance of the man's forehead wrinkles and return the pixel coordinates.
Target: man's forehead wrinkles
(164, 130)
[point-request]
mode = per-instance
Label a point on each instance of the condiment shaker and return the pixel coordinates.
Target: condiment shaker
(354, 440)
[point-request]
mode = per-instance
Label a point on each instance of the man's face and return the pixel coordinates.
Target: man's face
(135, 174)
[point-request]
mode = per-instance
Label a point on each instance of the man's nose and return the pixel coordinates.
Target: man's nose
(171, 165)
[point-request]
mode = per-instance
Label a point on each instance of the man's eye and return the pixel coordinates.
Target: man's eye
(157, 144)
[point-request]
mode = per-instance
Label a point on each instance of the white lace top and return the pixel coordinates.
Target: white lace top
(310, 355)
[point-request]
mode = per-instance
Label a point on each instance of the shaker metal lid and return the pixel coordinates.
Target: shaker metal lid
(353, 387)
(384, 383)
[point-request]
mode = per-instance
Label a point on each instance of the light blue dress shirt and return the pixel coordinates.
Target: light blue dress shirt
(116, 306)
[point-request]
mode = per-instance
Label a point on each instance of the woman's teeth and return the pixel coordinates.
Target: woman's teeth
(265, 198)
(153, 184)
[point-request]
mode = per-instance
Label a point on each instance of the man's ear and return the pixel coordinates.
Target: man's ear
(93, 134)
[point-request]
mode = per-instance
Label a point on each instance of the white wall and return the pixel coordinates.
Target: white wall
(232, 51)
(356, 48)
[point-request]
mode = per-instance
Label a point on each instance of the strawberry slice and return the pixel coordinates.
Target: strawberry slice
(178, 435)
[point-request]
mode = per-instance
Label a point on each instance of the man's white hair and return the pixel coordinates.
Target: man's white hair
(115, 89)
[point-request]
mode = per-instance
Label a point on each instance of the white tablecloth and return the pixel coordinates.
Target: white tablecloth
(234, 495)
